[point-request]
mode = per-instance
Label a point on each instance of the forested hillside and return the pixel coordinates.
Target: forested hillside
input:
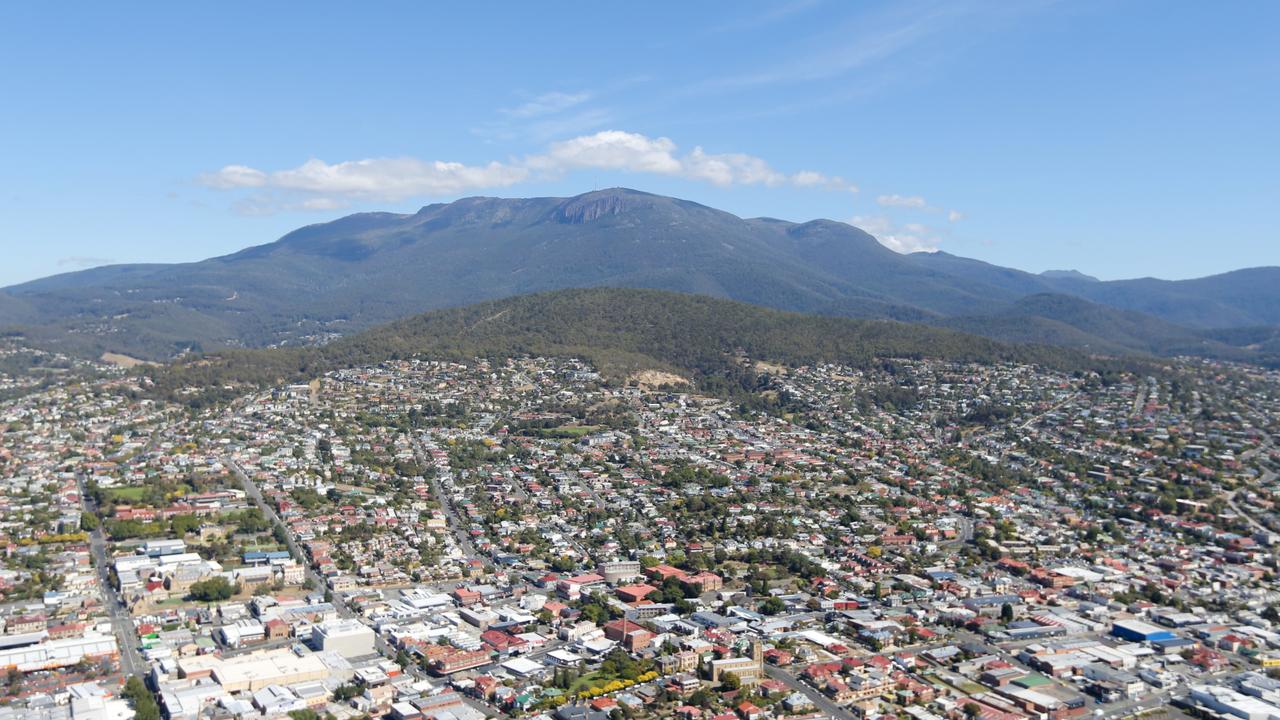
(618, 330)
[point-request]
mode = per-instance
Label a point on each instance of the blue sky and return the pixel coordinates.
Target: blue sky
(1121, 138)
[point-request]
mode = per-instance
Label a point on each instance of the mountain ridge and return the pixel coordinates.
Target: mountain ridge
(329, 279)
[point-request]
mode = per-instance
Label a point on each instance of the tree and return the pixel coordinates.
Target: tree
(144, 703)
(215, 589)
(13, 681)
(252, 521)
(730, 681)
(972, 709)
(772, 605)
(343, 693)
(183, 524)
(1006, 612)
(595, 613)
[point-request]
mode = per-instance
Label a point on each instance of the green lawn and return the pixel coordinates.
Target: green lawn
(965, 688)
(133, 493)
(566, 432)
(588, 680)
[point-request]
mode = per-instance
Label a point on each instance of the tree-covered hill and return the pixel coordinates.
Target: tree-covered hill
(618, 330)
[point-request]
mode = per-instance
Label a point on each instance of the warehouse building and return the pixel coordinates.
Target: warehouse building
(258, 670)
(57, 653)
(1139, 631)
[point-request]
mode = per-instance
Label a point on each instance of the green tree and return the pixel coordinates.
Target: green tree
(215, 589)
(772, 605)
(144, 703)
(730, 681)
(183, 524)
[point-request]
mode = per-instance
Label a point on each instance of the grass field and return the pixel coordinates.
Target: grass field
(567, 432)
(586, 681)
(132, 493)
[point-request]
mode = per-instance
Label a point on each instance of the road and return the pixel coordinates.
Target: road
(1230, 497)
(454, 521)
(131, 662)
(964, 533)
(251, 489)
(1266, 478)
(820, 701)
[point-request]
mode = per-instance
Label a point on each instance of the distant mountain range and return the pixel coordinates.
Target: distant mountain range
(335, 278)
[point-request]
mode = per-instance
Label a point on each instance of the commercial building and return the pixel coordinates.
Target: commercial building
(348, 638)
(619, 571)
(255, 671)
(1228, 702)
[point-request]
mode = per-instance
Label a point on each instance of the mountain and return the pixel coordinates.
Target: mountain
(1057, 319)
(619, 330)
(332, 279)
(1067, 275)
(1234, 299)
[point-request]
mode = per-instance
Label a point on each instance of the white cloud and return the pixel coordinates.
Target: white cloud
(633, 152)
(908, 238)
(730, 169)
(954, 216)
(234, 176)
(379, 178)
(326, 186)
(902, 201)
(396, 178)
(610, 150)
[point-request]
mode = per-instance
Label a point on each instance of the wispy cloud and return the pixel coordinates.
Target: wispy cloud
(546, 116)
(579, 121)
(920, 33)
(772, 16)
(325, 185)
(865, 41)
(915, 202)
(547, 104)
(901, 201)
